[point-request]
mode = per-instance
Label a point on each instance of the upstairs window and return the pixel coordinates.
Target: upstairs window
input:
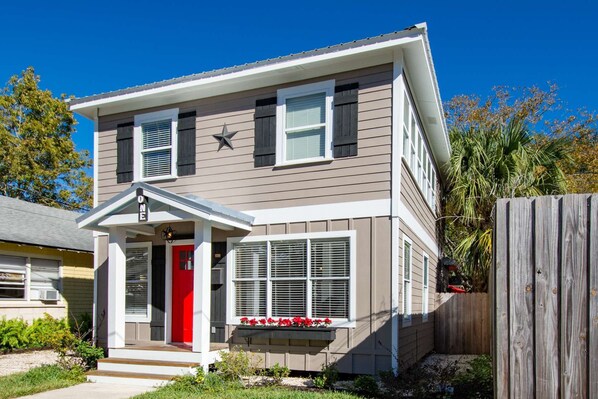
(155, 145)
(304, 123)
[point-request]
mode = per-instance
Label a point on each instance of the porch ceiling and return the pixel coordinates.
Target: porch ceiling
(163, 207)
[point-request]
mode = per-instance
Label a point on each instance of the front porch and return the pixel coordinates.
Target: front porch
(177, 326)
(150, 363)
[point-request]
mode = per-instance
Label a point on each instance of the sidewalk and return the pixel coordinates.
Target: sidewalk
(92, 391)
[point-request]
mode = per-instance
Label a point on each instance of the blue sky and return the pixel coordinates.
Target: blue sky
(83, 47)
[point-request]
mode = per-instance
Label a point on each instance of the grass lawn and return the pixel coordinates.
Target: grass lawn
(178, 392)
(38, 379)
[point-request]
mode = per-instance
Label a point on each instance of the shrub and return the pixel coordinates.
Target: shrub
(48, 332)
(477, 380)
(236, 364)
(327, 377)
(277, 373)
(88, 353)
(13, 334)
(367, 386)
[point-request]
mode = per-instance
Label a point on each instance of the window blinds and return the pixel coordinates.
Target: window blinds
(136, 289)
(156, 148)
(296, 267)
(250, 279)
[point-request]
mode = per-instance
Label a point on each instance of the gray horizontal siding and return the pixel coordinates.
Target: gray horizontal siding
(230, 178)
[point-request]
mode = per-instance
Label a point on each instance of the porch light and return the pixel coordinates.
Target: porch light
(168, 234)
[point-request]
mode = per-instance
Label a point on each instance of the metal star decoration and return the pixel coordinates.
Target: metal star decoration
(224, 138)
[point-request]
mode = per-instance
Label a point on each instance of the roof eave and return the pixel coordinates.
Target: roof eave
(261, 75)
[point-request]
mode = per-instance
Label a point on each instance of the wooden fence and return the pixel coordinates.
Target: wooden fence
(544, 288)
(462, 324)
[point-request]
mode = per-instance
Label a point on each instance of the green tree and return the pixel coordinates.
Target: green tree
(502, 147)
(38, 159)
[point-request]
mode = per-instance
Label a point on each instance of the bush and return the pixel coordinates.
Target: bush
(277, 373)
(327, 377)
(49, 332)
(13, 334)
(88, 353)
(367, 386)
(477, 380)
(421, 381)
(236, 364)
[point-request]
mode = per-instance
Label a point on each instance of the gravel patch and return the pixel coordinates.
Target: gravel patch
(23, 361)
(462, 361)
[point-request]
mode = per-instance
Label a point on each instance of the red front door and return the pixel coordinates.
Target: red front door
(182, 293)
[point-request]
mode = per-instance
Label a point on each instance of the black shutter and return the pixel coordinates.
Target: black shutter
(124, 152)
(186, 144)
(264, 153)
(158, 294)
(345, 120)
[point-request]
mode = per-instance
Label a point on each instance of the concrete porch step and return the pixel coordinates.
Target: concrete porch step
(125, 378)
(158, 367)
(155, 354)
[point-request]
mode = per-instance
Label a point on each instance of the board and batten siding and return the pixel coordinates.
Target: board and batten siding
(417, 338)
(229, 176)
(359, 350)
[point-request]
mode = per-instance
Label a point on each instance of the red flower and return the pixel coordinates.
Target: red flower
(253, 322)
(271, 320)
(263, 322)
(244, 320)
(327, 321)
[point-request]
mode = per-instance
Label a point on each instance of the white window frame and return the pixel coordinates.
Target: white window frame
(140, 119)
(326, 87)
(28, 257)
(415, 159)
(407, 281)
(425, 286)
(136, 318)
(230, 264)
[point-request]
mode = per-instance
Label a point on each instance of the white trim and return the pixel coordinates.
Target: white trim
(116, 205)
(425, 288)
(202, 272)
(413, 224)
(168, 286)
(407, 306)
(94, 310)
(96, 157)
(230, 265)
(135, 318)
(397, 145)
(171, 114)
(308, 213)
(303, 63)
(326, 87)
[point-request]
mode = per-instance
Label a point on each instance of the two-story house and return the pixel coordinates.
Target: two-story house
(305, 185)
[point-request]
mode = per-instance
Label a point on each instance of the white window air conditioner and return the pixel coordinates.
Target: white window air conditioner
(49, 295)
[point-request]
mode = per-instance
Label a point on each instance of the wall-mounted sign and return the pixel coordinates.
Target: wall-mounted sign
(143, 210)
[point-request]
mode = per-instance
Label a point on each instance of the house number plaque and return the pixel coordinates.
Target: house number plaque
(143, 212)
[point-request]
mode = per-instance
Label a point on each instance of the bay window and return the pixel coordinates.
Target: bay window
(308, 275)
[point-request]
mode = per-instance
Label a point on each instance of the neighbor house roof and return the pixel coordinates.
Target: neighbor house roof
(377, 50)
(27, 223)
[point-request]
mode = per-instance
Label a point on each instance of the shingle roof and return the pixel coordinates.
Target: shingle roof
(28, 223)
(237, 68)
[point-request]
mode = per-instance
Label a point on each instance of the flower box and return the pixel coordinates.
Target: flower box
(311, 333)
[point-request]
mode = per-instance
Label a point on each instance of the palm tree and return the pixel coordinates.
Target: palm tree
(502, 161)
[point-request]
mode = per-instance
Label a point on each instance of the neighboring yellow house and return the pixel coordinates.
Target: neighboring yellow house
(46, 262)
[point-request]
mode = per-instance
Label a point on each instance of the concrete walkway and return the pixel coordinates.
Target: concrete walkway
(92, 391)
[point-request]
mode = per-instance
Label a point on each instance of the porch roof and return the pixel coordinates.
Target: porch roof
(164, 207)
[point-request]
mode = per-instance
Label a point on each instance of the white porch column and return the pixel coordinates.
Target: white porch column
(116, 287)
(202, 273)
